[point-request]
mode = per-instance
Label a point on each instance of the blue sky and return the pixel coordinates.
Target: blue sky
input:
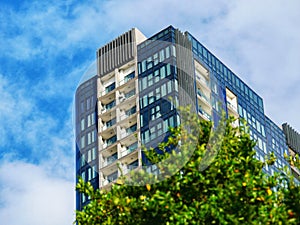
(45, 48)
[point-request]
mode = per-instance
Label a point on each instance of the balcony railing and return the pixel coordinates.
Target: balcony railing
(129, 149)
(232, 106)
(127, 78)
(126, 169)
(110, 159)
(129, 131)
(202, 79)
(128, 113)
(108, 106)
(108, 89)
(201, 95)
(109, 141)
(205, 114)
(112, 177)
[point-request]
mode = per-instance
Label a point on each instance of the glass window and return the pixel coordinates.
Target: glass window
(94, 153)
(163, 72)
(263, 131)
(168, 69)
(173, 51)
(83, 175)
(159, 129)
(151, 97)
(82, 161)
(149, 63)
(145, 101)
(144, 83)
(165, 125)
(110, 87)
(88, 103)
(167, 52)
(89, 138)
(143, 66)
(89, 153)
(82, 124)
(147, 138)
(155, 59)
(169, 87)
(95, 172)
(205, 54)
(163, 90)
(150, 79)
(93, 136)
(157, 92)
(161, 55)
(82, 106)
(176, 85)
(82, 142)
(171, 121)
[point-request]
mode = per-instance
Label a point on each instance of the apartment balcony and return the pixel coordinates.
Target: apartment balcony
(131, 148)
(109, 142)
(128, 131)
(203, 98)
(205, 115)
(232, 110)
(109, 124)
(128, 168)
(128, 78)
(111, 159)
(128, 113)
(203, 82)
(108, 107)
(201, 69)
(126, 95)
(110, 177)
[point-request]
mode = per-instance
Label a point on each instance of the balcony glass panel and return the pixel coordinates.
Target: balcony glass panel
(111, 122)
(111, 140)
(130, 93)
(130, 111)
(110, 88)
(112, 176)
(110, 105)
(131, 129)
(111, 159)
(205, 114)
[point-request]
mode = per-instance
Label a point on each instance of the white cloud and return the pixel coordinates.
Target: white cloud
(30, 196)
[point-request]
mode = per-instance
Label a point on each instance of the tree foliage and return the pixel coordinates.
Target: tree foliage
(221, 182)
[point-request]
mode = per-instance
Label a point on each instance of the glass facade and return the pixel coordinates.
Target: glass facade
(86, 136)
(158, 68)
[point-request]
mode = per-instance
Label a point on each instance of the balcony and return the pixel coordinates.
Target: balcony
(203, 97)
(132, 166)
(129, 131)
(232, 109)
(109, 142)
(108, 124)
(129, 149)
(109, 160)
(128, 113)
(204, 114)
(202, 80)
(127, 78)
(111, 177)
(108, 106)
(108, 89)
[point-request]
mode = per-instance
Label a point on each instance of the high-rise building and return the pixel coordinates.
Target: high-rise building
(133, 97)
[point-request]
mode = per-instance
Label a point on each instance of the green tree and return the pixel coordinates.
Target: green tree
(220, 183)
